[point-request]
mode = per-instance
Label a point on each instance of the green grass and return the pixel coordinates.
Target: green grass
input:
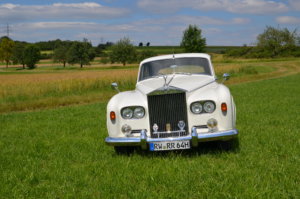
(60, 153)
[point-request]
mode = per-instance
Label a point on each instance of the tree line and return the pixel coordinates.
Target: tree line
(273, 42)
(71, 52)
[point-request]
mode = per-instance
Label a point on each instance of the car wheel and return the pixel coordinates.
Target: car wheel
(124, 150)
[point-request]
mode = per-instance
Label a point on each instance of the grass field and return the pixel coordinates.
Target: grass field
(60, 153)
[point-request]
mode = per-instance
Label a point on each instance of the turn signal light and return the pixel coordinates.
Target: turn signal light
(224, 107)
(112, 115)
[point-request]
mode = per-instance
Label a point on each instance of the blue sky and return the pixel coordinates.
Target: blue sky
(160, 22)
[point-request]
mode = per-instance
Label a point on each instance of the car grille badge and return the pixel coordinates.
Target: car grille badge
(155, 128)
(181, 125)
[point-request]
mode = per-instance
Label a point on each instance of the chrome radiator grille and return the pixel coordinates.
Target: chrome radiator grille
(167, 109)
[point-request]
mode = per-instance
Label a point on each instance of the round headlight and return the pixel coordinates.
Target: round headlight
(127, 113)
(196, 108)
(209, 107)
(139, 112)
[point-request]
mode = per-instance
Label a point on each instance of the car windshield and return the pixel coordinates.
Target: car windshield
(186, 65)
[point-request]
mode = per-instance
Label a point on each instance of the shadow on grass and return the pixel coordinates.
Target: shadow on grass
(214, 148)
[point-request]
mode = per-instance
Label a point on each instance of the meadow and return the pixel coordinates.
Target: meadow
(52, 86)
(53, 129)
(60, 153)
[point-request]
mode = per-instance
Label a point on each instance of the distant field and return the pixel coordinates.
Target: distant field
(159, 50)
(60, 153)
(53, 86)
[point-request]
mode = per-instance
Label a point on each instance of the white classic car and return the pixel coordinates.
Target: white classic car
(177, 103)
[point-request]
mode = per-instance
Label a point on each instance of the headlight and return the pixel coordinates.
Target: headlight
(205, 106)
(196, 107)
(139, 112)
(127, 113)
(136, 112)
(209, 107)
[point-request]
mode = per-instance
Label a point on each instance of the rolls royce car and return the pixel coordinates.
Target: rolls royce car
(177, 104)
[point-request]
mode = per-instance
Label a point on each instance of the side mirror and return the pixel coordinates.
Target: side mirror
(226, 76)
(114, 85)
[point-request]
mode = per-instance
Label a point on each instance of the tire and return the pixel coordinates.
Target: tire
(124, 150)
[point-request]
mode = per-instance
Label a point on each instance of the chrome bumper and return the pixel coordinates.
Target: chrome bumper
(195, 138)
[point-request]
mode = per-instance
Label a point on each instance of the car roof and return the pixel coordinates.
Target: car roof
(171, 56)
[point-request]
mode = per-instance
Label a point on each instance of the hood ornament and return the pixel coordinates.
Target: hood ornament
(167, 84)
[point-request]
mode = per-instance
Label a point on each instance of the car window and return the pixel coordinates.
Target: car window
(189, 65)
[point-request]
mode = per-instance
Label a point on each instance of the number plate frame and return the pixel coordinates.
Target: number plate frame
(169, 145)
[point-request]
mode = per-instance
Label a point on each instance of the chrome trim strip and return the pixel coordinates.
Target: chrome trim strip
(202, 85)
(195, 137)
(221, 135)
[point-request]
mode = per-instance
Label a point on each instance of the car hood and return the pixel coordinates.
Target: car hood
(186, 83)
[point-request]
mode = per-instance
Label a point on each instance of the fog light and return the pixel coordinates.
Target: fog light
(126, 129)
(212, 124)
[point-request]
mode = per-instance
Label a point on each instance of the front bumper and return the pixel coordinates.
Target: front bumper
(195, 138)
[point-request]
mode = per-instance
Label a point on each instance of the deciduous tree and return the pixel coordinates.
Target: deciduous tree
(60, 54)
(81, 53)
(32, 55)
(6, 49)
(123, 51)
(18, 56)
(192, 40)
(277, 40)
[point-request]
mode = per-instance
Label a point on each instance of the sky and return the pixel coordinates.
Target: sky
(160, 22)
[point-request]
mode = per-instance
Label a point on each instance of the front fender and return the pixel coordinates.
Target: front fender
(219, 94)
(117, 103)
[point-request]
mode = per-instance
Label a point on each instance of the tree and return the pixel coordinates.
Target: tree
(123, 51)
(32, 55)
(148, 44)
(276, 40)
(60, 54)
(192, 40)
(18, 56)
(6, 49)
(81, 53)
(140, 44)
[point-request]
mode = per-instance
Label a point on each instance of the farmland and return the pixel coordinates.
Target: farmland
(53, 129)
(52, 86)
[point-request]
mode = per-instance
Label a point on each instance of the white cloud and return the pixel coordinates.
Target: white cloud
(234, 6)
(78, 5)
(295, 4)
(288, 20)
(197, 20)
(58, 11)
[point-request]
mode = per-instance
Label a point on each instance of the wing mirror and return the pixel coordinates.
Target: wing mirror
(114, 85)
(226, 76)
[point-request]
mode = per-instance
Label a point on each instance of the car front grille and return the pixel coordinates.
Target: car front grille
(168, 109)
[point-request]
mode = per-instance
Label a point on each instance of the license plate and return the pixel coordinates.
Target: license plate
(172, 145)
